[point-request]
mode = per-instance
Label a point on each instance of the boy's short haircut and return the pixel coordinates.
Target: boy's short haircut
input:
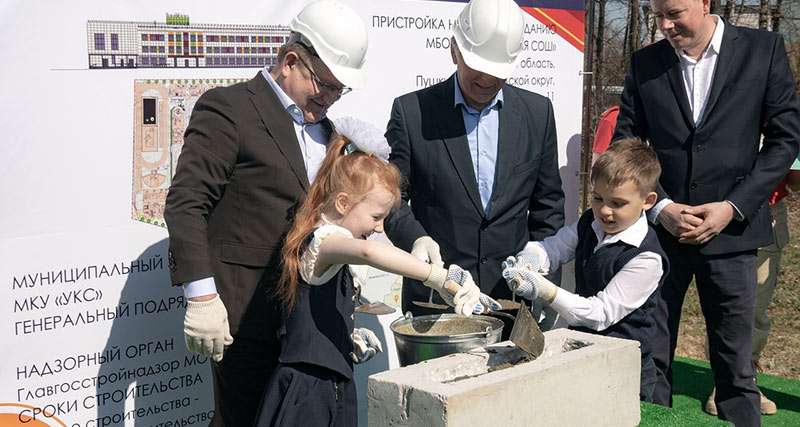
(628, 159)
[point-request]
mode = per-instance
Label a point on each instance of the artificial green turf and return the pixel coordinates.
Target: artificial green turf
(693, 382)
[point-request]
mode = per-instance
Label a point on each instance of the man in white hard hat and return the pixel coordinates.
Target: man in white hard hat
(250, 152)
(479, 155)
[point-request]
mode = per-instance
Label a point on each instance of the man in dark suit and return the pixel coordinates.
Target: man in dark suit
(250, 152)
(480, 158)
(703, 97)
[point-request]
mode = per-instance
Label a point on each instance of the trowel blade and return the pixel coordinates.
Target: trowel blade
(431, 305)
(376, 308)
(526, 334)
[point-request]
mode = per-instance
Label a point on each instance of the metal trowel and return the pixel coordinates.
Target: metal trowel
(451, 287)
(525, 333)
(377, 308)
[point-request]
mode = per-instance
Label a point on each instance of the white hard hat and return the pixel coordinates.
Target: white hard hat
(489, 35)
(339, 37)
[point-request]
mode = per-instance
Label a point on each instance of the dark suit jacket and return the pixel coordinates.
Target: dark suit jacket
(238, 181)
(429, 146)
(752, 93)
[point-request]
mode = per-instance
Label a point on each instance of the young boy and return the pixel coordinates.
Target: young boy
(619, 264)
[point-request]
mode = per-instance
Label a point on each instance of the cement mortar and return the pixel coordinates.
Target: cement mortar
(444, 327)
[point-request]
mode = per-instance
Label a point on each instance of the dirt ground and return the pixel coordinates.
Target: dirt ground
(782, 354)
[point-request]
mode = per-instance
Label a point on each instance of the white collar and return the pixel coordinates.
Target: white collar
(290, 106)
(633, 235)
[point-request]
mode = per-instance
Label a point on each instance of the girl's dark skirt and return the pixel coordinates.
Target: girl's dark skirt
(301, 394)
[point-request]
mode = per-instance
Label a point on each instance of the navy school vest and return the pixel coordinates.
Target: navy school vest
(594, 269)
(317, 329)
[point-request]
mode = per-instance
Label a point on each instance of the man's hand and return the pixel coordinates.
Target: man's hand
(676, 220)
(365, 345)
(426, 250)
(715, 216)
(205, 327)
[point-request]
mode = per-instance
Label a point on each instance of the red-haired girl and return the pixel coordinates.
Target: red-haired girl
(355, 189)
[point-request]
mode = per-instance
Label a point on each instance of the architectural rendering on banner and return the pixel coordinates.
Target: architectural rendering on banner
(178, 44)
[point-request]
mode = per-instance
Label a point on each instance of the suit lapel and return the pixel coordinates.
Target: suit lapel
(279, 125)
(727, 57)
(673, 65)
(451, 122)
(507, 140)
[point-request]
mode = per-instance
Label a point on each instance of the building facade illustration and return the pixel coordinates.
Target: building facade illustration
(178, 44)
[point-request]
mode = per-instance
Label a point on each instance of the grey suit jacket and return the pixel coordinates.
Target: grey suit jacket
(429, 146)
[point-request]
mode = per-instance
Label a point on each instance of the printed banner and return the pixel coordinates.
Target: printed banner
(97, 101)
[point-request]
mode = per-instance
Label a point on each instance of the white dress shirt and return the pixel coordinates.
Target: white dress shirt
(698, 75)
(312, 140)
(628, 290)
(483, 133)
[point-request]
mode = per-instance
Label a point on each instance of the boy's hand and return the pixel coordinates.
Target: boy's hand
(528, 284)
(533, 258)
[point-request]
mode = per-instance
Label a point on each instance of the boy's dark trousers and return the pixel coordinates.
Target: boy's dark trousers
(726, 285)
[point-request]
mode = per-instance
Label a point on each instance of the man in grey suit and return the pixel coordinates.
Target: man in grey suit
(480, 157)
(251, 151)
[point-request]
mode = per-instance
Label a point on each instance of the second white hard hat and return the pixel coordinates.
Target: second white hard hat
(488, 34)
(339, 36)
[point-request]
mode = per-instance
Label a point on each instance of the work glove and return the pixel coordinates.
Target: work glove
(365, 345)
(467, 296)
(486, 304)
(528, 284)
(533, 257)
(205, 328)
(426, 250)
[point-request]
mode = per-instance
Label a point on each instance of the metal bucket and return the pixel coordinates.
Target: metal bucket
(428, 337)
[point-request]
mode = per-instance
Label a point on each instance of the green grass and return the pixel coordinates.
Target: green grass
(693, 382)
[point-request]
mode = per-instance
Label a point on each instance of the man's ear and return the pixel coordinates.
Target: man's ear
(289, 61)
(342, 203)
(650, 200)
(453, 50)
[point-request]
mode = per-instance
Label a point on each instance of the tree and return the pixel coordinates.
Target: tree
(763, 14)
(776, 16)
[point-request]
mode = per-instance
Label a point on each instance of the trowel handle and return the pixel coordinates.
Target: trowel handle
(452, 287)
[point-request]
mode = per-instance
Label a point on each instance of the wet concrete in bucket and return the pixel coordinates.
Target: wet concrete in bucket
(444, 327)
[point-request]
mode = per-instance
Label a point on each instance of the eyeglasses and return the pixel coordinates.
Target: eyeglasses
(336, 90)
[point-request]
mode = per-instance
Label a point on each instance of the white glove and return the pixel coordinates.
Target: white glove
(205, 328)
(467, 296)
(528, 284)
(533, 257)
(365, 345)
(426, 250)
(486, 304)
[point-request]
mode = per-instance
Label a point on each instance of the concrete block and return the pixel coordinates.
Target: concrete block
(580, 380)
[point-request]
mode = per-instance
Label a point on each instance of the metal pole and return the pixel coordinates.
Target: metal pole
(586, 129)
